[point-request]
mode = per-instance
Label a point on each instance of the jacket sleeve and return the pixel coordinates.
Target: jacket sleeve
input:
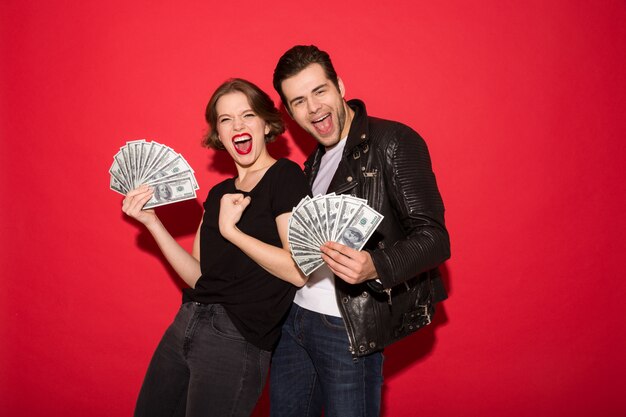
(412, 191)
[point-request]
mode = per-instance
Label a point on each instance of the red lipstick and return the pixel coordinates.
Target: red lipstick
(242, 143)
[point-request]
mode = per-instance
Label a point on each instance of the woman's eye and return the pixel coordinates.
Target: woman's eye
(224, 120)
(249, 115)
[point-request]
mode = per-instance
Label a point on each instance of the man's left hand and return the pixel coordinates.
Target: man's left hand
(348, 264)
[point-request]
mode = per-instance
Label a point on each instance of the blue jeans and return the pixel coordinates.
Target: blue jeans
(312, 370)
(203, 367)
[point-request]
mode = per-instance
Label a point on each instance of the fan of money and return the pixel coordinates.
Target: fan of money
(338, 218)
(142, 162)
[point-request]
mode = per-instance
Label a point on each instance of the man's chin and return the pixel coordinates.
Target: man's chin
(328, 141)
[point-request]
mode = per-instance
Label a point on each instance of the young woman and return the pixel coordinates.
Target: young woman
(214, 357)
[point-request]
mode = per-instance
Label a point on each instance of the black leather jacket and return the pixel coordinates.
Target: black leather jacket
(388, 164)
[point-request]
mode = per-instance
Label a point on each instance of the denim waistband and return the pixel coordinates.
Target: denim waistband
(216, 308)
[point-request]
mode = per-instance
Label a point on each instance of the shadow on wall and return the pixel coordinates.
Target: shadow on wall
(416, 347)
(180, 219)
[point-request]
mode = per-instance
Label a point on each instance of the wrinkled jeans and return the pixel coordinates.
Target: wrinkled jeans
(203, 367)
(312, 370)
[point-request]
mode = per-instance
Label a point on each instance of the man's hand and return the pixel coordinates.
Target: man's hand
(348, 264)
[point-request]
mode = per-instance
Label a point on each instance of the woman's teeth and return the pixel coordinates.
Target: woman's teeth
(243, 144)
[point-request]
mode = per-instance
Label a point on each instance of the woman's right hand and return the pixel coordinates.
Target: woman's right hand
(135, 200)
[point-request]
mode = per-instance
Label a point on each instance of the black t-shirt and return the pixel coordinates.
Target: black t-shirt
(255, 300)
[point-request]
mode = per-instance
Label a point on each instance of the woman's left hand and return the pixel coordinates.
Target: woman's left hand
(232, 207)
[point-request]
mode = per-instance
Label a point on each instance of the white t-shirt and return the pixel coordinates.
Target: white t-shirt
(318, 294)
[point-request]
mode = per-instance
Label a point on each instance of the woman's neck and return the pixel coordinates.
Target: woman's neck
(249, 176)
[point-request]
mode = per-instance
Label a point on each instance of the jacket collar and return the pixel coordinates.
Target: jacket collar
(359, 128)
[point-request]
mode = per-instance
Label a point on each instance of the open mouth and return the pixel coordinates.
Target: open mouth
(323, 125)
(242, 143)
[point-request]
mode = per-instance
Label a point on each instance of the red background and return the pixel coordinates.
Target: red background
(522, 105)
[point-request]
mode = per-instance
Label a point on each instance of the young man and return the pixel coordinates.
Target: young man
(329, 356)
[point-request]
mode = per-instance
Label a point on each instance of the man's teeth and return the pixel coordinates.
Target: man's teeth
(321, 118)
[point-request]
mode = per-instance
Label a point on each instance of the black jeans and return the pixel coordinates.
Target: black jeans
(203, 367)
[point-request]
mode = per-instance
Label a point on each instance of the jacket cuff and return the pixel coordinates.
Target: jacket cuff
(381, 263)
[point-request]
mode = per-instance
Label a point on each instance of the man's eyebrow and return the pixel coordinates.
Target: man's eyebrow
(293, 100)
(319, 87)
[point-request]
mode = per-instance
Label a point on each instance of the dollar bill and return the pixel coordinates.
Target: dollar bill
(118, 170)
(314, 223)
(302, 241)
(132, 161)
(163, 159)
(158, 154)
(302, 225)
(333, 204)
(308, 264)
(176, 168)
(360, 227)
(319, 206)
(340, 218)
(308, 269)
(117, 186)
(147, 149)
(142, 162)
(172, 191)
(125, 165)
(299, 252)
(348, 207)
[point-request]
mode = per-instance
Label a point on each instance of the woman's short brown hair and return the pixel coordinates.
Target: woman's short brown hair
(259, 101)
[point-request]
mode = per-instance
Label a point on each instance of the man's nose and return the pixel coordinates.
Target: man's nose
(313, 105)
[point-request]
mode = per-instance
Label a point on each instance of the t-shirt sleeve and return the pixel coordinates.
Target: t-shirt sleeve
(289, 187)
